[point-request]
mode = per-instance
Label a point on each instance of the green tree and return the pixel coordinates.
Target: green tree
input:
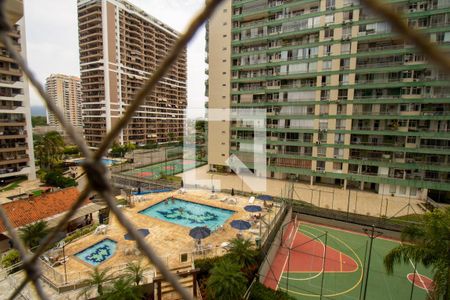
(120, 150)
(96, 279)
(122, 288)
(38, 121)
(49, 150)
(242, 252)
(226, 281)
(135, 271)
(429, 244)
(33, 233)
(56, 178)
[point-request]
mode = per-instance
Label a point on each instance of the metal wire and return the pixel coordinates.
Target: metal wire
(95, 170)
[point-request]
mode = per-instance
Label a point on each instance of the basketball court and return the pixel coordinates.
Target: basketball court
(316, 261)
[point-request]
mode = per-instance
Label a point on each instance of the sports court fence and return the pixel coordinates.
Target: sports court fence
(310, 266)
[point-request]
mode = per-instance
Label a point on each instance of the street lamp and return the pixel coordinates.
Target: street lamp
(212, 184)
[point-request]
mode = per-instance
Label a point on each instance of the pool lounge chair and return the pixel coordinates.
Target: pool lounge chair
(232, 201)
(251, 200)
(226, 245)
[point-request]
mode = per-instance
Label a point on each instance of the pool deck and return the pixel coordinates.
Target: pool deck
(167, 239)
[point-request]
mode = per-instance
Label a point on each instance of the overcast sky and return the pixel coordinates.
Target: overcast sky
(52, 40)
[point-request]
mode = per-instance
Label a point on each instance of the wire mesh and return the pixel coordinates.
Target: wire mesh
(93, 166)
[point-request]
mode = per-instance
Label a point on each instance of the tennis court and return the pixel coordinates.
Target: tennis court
(317, 261)
(170, 167)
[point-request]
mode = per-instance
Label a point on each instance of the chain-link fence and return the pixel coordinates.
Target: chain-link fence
(95, 170)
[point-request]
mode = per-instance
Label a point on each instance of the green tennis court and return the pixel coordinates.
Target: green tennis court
(170, 167)
(317, 260)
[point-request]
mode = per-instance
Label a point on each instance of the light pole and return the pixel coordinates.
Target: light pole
(63, 244)
(212, 184)
(372, 234)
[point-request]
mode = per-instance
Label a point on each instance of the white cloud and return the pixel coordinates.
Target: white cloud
(52, 39)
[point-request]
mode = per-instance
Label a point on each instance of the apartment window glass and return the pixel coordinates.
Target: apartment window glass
(413, 191)
(329, 18)
(321, 151)
(326, 65)
(329, 33)
(402, 190)
(345, 63)
(345, 48)
(326, 50)
(330, 4)
(411, 140)
(343, 79)
(342, 94)
(325, 95)
(348, 15)
(392, 189)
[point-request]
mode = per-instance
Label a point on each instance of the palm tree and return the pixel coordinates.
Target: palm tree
(135, 271)
(121, 289)
(429, 244)
(242, 251)
(96, 279)
(33, 233)
(226, 281)
(49, 149)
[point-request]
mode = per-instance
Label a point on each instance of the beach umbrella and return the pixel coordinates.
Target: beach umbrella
(142, 231)
(253, 208)
(200, 232)
(240, 224)
(265, 197)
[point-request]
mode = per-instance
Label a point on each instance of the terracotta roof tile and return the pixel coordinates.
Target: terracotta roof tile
(23, 212)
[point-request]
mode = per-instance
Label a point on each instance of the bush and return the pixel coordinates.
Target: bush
(260, 292)
(10, 258)
(80, 233)
(71, 150)
(55, 178)
(206, 264)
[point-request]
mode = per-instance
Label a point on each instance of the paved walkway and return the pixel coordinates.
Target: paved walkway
(360, 202)
(24, 187)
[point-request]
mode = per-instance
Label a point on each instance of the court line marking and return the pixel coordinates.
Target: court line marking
(287, 256)
(343, 292)
(314, 276)
(420, 277)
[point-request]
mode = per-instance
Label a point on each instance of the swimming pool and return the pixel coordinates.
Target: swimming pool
(188, 214)
(105, 161)
(98, 253)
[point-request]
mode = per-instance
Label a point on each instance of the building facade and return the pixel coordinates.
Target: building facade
(348, 102)
(121, 46)
(16, 141)
(65, 92)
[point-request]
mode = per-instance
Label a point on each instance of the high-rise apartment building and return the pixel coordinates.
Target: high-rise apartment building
(121, 46)
(16, 143)
(348, 102)
(65, 91)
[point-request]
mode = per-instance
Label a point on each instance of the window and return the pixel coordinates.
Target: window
(328, 33)
(330, 4)
(326, 50)
(345, 48)
(412, 191)
(348, 15)
(411, 140)
(402, 190)
(329, 18)
(342, 94)
(325, 95)
(392, 189)
(345, 63)
(343, 79)
(326, 65)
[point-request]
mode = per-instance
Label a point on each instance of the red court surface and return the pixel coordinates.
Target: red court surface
(169, 168)
(188, 162)
(421, 281)
(306, 256)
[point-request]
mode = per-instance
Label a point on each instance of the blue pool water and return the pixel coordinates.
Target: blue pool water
(105, 161)
(98, 253)
(188, 214)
